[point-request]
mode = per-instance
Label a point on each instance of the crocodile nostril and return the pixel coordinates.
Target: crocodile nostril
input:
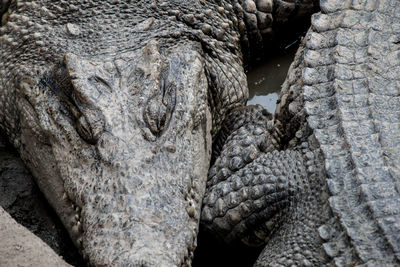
(85, 130)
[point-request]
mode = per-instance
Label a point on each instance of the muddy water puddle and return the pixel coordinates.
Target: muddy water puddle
(266, 78)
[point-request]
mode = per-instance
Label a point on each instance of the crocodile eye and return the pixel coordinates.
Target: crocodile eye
(90, 132)
(85, 131)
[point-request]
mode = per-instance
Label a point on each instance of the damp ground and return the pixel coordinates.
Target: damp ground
(266, 78)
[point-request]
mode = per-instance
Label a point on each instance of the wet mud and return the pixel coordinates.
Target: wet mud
(265, 79)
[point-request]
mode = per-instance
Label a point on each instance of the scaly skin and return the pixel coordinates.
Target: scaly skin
(109, 105)
(325, 191)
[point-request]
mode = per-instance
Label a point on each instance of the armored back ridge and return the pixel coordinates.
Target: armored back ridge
(355, 119)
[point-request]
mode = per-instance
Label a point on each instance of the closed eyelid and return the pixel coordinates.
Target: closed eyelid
(158, 110)
(99, 80)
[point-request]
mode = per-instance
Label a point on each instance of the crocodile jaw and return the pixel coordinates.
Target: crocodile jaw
(127, 148)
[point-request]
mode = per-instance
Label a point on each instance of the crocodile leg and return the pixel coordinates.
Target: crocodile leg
(258, 192)
(294, 238)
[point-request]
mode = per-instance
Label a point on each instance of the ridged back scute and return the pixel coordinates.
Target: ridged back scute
(352, 99)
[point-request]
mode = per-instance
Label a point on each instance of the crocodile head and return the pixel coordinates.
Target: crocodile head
(123, 144)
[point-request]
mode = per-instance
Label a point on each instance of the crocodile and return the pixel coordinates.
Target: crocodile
(319, 183)
(113, 107)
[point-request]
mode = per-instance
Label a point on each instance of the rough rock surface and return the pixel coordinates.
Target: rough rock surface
(20, 247)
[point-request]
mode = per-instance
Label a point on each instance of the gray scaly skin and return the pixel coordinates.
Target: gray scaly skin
(321, 186)
(112, 105)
